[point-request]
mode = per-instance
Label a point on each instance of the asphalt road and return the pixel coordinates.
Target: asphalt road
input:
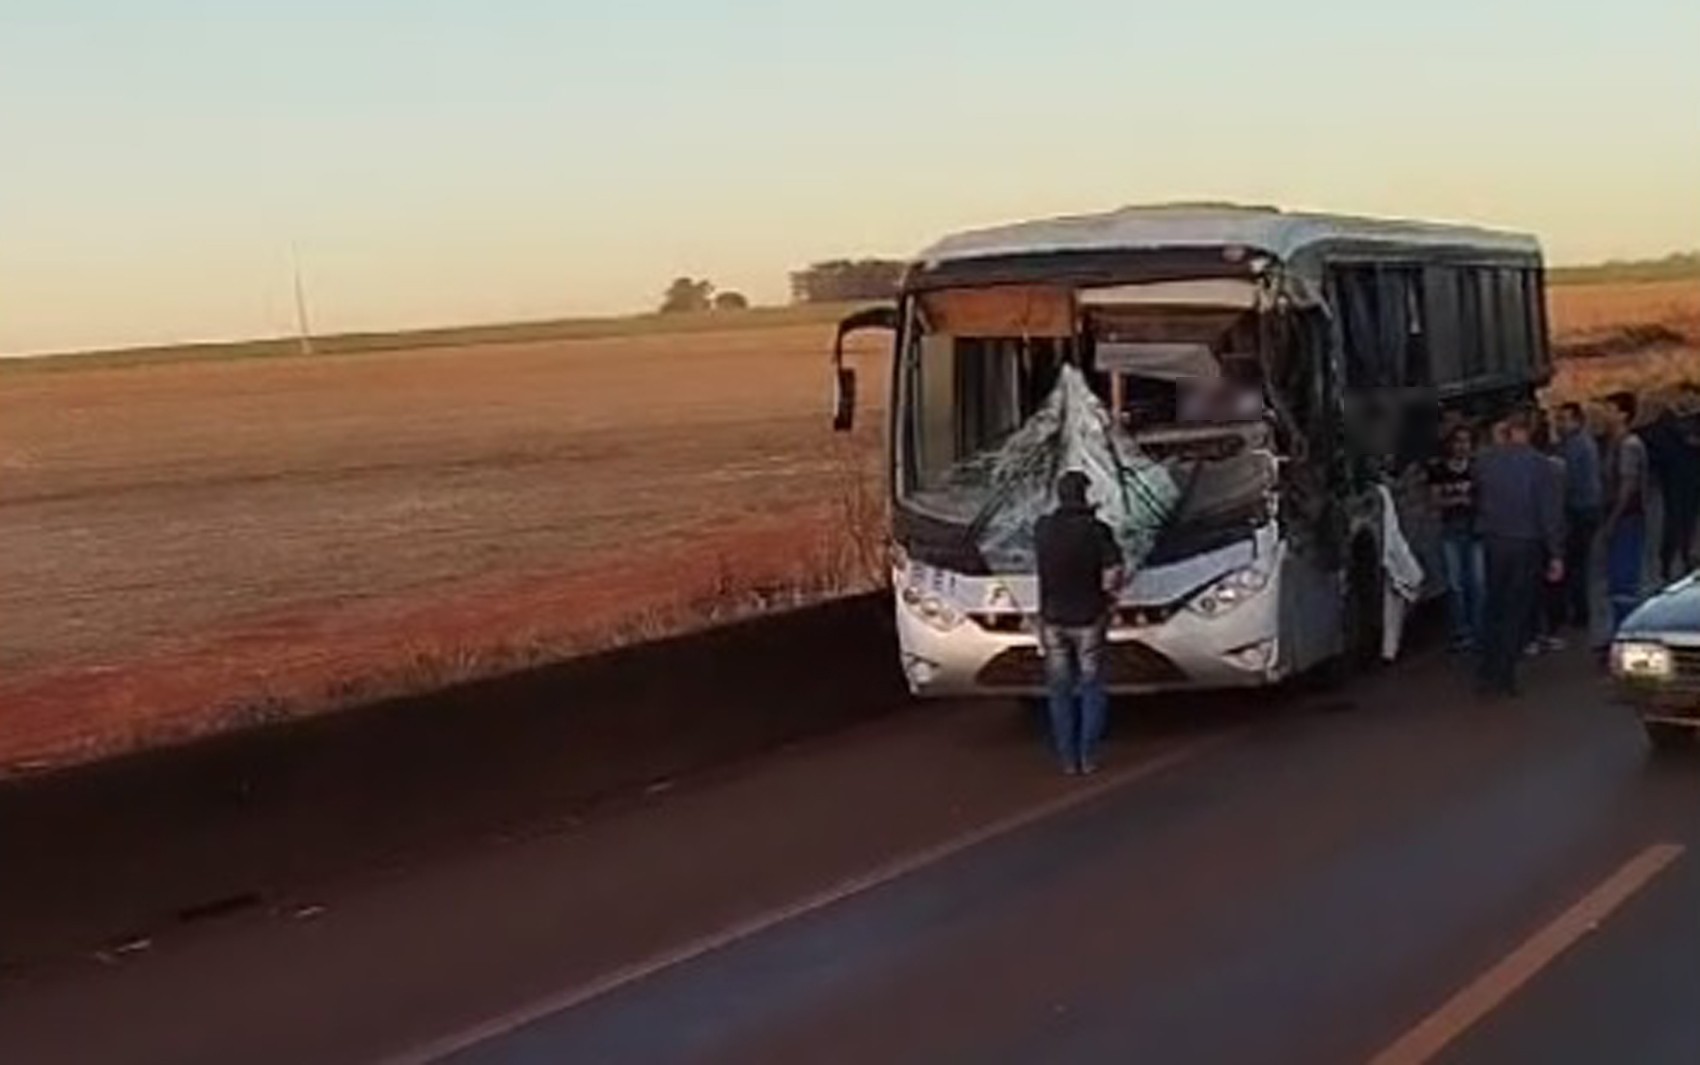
(1396, 873)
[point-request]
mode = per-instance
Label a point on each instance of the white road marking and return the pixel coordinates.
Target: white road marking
(753, 926)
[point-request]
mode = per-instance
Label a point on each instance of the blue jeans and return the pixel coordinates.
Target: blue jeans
(1073, 661)
(1466, 586)
(1624, 552)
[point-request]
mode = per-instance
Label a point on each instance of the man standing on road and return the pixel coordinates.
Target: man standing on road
(1582, 502)
(1625, 527)
(1517, 516)
(1080, 567)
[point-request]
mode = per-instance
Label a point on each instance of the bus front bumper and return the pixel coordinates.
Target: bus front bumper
(1187, 651)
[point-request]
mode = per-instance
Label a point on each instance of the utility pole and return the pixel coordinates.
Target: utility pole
(303, 332)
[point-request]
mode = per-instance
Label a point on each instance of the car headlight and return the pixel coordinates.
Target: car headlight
(1651, 661)
(1229, 592)
(935, 612)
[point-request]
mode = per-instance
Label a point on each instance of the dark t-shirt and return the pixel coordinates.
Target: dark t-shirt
(1454, 488)
(1075, 549)
(1673, 455)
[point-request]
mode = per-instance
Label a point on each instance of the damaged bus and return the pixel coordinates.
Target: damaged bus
(1252, 393)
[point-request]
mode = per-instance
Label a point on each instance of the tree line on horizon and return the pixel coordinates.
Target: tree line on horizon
(856, 280)
(847, 280)
(689, 295)
(1676, 266)
(829, 281)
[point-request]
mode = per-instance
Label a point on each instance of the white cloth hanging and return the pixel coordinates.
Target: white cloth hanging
(1403, 574)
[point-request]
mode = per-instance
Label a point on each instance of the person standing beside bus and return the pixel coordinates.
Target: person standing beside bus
(1687, 478)
(1625, 528)
(1452, 488)
(1547, 622)
(1080, 568)
(1582, 503)
(1517, 515)
(1673, 457)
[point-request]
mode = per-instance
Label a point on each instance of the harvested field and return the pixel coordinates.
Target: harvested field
(1644, 337)
(187, 546)
(195, 544)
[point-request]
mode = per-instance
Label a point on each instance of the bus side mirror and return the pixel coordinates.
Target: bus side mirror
(844, 400)
(883, 316)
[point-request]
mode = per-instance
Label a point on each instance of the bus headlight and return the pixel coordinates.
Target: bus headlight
(1229, 592)
(1650, 661)
(933, 611)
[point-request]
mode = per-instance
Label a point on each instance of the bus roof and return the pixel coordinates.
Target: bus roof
(1282, 234)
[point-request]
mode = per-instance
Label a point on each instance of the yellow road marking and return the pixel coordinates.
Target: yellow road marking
(1492, 988)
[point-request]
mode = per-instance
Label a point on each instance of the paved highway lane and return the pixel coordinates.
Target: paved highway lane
(1299, 896)
(1628, 991)
(1414, 875)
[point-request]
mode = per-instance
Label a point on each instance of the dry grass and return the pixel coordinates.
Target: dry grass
(197, 545)
(1643, 338)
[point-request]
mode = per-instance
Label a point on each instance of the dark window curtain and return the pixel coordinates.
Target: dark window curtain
(1442, 336)
(1356, 302)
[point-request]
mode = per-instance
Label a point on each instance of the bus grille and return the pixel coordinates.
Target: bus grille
(1125, 663)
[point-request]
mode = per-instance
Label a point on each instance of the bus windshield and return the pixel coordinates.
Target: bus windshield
(966, 387)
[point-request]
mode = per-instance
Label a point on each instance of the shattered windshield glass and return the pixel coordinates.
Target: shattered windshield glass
(1132, 493)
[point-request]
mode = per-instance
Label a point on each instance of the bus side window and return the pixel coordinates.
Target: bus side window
(1488, 335)
(1419, 371)
(1355, 300)
(1391, 327)
(1444, 339)
(1513, 322)
(1404, 337)
(1473, 355)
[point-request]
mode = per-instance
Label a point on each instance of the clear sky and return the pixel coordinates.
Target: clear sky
(440, 162)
